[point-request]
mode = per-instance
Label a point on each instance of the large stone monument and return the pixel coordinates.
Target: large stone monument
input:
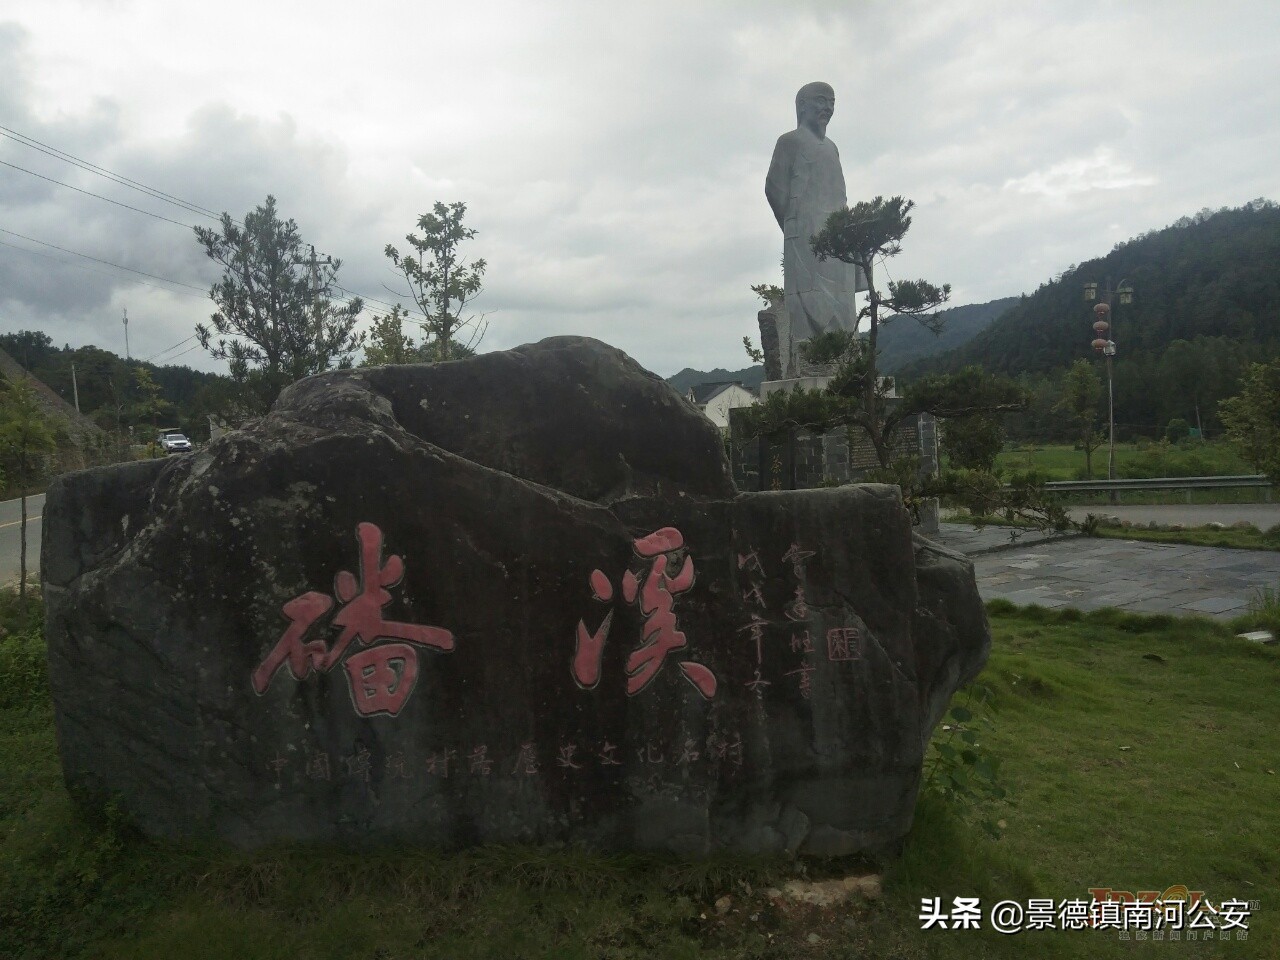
(509, 598)
(804, 186)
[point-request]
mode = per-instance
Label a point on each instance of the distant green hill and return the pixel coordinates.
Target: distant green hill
(904, 340)
(749, 377)
(1206, 302)
(1212, 275)
(900, 343)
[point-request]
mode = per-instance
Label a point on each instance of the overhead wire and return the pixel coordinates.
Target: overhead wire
(174, 347)
(90, 193)
(76, 253)
(120, 179)
(101, 273)
(48, 149)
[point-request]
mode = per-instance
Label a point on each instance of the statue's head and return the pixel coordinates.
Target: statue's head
(815, 103)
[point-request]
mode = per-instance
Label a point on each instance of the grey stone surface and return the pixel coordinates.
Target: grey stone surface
(1128, 574)
(593, 637)
(804, 185)
(1264, 516)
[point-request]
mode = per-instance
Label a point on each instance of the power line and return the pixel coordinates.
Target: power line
(148, 190)
(93, 168)
(174, 347)
(75, 253)
(101, 273)
(90, 193)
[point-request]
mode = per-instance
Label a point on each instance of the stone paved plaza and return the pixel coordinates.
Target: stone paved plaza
(1090, 573)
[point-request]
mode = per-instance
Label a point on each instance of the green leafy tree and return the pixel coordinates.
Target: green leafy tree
(150, 404)
(26, 435)
(1252, 418)
(972, 443)
(861, 235)
(1078, 402)
(277, 319)
(388, 343)
(440, 281)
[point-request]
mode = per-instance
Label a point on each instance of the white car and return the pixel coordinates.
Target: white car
(171, 441)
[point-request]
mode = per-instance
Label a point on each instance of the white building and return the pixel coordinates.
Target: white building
(717, 399)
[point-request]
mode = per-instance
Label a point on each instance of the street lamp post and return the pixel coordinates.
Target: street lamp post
(1104, 343)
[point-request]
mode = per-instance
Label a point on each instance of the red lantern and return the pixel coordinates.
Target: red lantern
(1101, 310)
(1099, 344)
(1100, 327)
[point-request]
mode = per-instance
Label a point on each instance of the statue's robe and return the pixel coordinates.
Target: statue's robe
(805, 184)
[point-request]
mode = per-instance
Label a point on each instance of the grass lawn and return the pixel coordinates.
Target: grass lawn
(1238, 538)
(1140, 753)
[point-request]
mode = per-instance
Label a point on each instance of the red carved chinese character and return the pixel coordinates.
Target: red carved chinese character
(438, 763)
(358, 764)
(756, 626)
(797, 554)
(608, 756)
(798, 609)
(527, 761)
(480, 762)
(318, 766)
(806, 672)
(382, 677)
(659, 634)
(566, 757)
(396, 769)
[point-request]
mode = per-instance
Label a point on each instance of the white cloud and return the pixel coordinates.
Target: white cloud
(612, 157)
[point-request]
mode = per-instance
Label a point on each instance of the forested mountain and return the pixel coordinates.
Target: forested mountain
(1206, 302)
(108, 386)
(904, 340)
(749, 377)
(900, 342)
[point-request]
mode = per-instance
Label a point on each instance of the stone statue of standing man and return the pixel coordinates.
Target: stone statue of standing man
(805, 184)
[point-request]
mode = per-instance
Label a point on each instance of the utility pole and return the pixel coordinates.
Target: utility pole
(126, 334)
(1104, 332)
(75, 387)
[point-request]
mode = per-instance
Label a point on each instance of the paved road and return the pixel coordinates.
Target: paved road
(10, 537)
(1089, 573)
(1264, 516)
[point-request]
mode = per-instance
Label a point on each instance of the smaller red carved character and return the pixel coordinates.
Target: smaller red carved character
(842, 643)
(800, 643)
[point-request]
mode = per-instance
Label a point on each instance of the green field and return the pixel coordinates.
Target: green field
(1191, 458)
(1139, 753)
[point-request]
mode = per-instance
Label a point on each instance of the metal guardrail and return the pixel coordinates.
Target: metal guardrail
(1188, 484)
(1158, 483)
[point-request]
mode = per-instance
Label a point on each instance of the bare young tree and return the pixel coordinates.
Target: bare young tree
(440, 282)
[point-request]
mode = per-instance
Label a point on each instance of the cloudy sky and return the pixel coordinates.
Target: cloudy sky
(612, 156)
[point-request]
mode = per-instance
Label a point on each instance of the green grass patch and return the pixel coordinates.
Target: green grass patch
(1143, 459)
(1139, 752)
(1238, 538)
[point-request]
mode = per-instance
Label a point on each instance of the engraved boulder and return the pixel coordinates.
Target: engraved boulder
(512, 598)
